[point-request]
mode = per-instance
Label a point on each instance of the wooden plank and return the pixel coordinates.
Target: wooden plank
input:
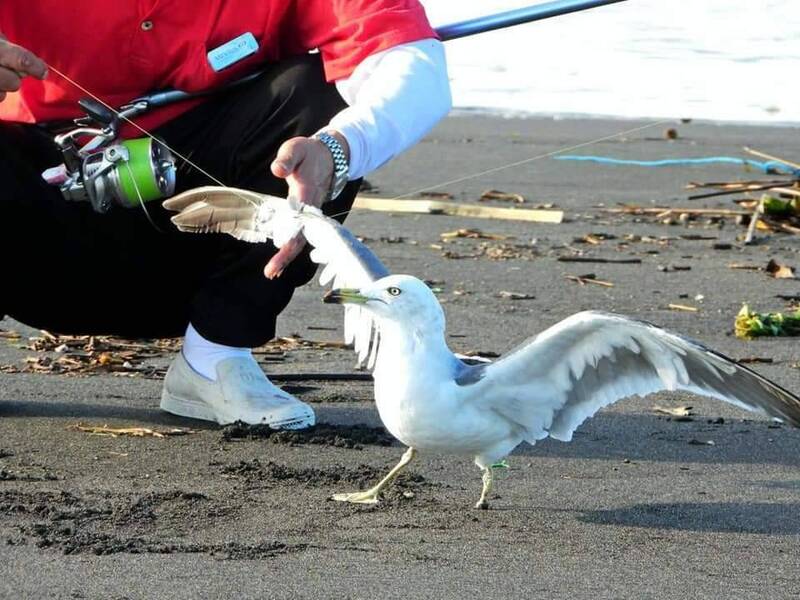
(456, 209)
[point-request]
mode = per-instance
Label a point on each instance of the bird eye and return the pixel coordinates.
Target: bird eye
(394, 291)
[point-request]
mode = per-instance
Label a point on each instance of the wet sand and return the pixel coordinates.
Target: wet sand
(638, 505)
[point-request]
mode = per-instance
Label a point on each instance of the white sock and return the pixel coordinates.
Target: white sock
(204, 355)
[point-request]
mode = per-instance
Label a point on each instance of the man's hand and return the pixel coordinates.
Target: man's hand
(15, 63)
(307, 166)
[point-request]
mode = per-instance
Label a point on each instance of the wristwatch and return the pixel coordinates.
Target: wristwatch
(341, 168)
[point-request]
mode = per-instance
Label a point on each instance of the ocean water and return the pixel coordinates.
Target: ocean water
(727, 60)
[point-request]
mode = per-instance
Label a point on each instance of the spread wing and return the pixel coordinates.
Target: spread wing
(254, 217)
(563, 376)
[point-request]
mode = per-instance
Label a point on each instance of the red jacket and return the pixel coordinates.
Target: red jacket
(121, 49)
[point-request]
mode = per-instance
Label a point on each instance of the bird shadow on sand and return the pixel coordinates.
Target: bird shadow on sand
(640, 437)
(721, 517)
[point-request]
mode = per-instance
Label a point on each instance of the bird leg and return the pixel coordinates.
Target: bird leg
(487, 488)
(370, 496)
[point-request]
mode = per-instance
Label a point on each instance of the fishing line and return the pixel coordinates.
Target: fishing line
(141, 200)
(415, 192)
(522, 162)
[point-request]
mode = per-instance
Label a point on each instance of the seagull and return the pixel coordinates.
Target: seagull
(433, 401)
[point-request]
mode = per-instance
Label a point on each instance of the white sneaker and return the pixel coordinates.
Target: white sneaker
(241, 393)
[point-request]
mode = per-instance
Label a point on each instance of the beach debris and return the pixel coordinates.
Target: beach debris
(749, 324)
(755, 221)
(776, 159)
(83, 356)
(456, 209)
(588, 278)
(749, 360)
(695, 442)
(664, 211)
(678, 413)
(506, 295)
(473, 234)
(779, 271)
(778, 208)
(502, 196)
(87, 355)
(296, 341)
(683, 308)
(592, 259)
(491, 251)
(450, 254)
(106, 431)
(594, 239)
(773, 268)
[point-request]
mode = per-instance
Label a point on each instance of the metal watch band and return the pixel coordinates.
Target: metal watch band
(341, 168)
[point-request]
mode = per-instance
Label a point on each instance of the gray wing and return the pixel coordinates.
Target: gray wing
(254, 217)
(560, 378)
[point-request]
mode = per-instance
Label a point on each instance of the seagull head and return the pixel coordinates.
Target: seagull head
(401, 299)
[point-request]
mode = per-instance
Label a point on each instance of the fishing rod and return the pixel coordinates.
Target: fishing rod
(107, 172)
(518, 16)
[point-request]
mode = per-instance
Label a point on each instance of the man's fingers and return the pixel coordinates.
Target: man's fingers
(284, 256)
(24, 62)
(290, 155)
(9, 80)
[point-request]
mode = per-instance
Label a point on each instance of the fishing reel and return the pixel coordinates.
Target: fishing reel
(106, 171)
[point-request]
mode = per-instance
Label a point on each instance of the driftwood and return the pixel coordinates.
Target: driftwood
(439, 207)
(639, 210)
(770, 157)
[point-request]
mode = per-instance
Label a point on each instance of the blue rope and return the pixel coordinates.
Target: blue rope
(767, 167)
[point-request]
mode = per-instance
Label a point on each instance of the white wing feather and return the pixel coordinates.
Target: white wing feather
(254, 217)
(557, 380)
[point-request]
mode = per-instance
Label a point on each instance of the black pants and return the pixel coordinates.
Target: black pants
(70, 270)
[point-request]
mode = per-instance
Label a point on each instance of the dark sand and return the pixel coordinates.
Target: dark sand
(635, 507)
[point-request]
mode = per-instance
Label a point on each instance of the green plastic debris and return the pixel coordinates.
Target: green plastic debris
(751, 324)
(779, 208)
(503, 464)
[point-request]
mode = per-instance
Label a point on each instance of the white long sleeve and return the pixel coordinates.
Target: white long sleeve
(394, 98)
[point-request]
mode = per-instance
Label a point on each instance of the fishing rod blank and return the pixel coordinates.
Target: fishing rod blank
(517, 16)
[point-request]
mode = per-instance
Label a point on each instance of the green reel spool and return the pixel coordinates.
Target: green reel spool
(148, 173)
